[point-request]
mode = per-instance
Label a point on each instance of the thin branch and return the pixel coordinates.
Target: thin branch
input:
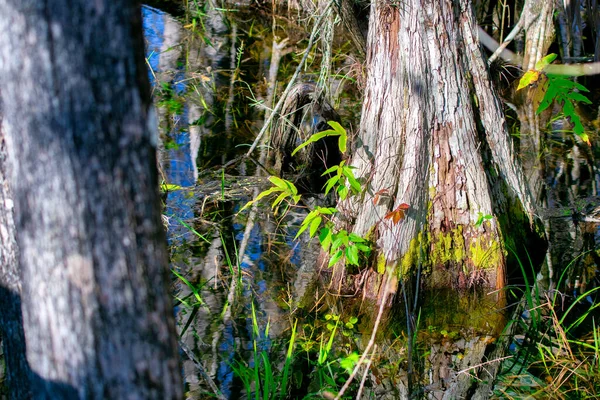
(507, 40)
(364, 378)
(371, 340)
(574, 69)
(482, 364)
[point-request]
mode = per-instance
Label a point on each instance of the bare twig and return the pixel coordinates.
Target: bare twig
(509, 38)
(483, 364)
(371, 340)
(364, 377)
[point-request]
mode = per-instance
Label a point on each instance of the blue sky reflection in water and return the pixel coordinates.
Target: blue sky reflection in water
(180, 168)
(178, 160)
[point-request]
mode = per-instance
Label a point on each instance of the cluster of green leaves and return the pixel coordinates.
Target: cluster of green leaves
(560, 90)
(342, 174)
(262, 377)
(338, 244)
(344, 244)
(332, 364)
(337, 130)
(285, 188)
(348, 326)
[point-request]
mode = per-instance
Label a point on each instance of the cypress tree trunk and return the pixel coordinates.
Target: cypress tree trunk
(430, 124)
(97, 314)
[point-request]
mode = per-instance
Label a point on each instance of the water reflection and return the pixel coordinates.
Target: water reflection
(204, 113)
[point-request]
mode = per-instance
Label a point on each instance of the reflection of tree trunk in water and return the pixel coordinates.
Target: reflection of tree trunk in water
(168, 55)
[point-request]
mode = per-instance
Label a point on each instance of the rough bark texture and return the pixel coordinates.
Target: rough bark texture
(97, 313)
(11, 318)
(428, 116)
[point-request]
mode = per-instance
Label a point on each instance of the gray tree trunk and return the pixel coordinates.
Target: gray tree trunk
(11, 318)
(97, 314)
(429, 119)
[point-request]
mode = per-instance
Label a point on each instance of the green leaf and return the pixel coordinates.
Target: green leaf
(280, 183)
(351, 179)
(584, 137)
(562, 83)
(569, 109)
(306, 223)
(352, 255)
(303, 227)
(315, 138)
(363, 247)
(576, 96)
(325, 238)
(169, 187)
(339, 239)
(343, 192)
(544, 62)
(580, 87)
(330, 170)
(479, 220)
(335, 258)
(578, 128)
(331, 183)
(342, 143)
(260, 196)
(337, 127)
(279, 199)
(528, 78)
(549, 97)
(314, 225)
(355, 238)
(353, 320)
(326, 210)
(349, 362)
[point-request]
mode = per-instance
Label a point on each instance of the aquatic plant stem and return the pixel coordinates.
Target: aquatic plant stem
(311, 42)
(200, 367)
(371, 340)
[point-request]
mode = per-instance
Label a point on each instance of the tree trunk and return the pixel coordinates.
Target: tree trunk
(97, 314)
(11, 318)
(429, 121)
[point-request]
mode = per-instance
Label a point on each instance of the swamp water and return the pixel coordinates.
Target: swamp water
(245, 288)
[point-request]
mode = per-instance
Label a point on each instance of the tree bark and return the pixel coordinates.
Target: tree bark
(97, 314)
(429, 119)
(11, 317)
